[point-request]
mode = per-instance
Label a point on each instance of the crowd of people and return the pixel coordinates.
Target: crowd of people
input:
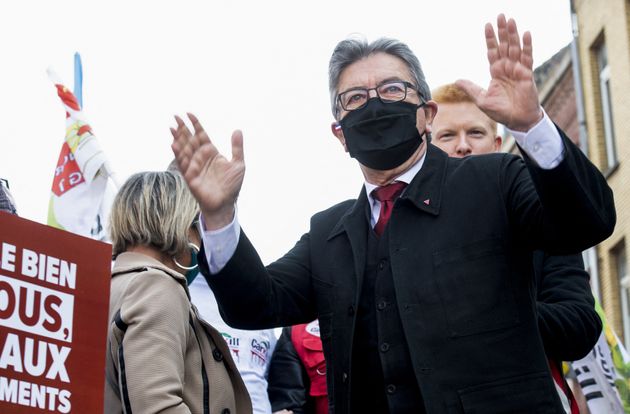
(452, 284)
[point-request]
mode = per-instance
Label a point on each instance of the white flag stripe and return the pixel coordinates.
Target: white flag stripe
(596, 374)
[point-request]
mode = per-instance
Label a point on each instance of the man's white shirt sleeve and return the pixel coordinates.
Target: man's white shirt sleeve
(219, 245)
(542, 143)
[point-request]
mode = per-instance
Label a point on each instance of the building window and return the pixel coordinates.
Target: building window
(590, 259)
(606, 107)
(620, 266)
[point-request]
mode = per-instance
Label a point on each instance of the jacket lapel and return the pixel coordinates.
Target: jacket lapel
(425, 190)
(355, 224)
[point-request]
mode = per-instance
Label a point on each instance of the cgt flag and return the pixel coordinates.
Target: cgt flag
(604, 374)
(82, 190)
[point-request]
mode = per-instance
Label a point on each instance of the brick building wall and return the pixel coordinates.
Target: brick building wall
(560, 105)
(606, 22)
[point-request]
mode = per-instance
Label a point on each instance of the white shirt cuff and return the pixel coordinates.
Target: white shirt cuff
(219, 245)
(542, 143)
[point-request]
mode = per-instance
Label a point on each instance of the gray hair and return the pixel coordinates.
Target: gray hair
(153, 209)
(354, 49)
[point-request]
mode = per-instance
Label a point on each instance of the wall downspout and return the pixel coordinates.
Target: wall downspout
(577, 80)
(590, 255)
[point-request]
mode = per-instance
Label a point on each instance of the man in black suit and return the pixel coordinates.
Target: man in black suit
(432, 310)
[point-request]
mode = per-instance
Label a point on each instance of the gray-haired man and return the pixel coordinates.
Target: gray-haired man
(422, 286)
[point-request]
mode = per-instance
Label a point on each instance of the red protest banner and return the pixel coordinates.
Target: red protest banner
(54, 299)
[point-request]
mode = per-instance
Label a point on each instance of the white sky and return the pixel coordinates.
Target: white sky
(259, 66)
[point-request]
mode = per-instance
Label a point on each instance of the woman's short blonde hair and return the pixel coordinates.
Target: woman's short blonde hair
(153, 209)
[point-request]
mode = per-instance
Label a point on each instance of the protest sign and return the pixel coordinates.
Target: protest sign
(54, 299)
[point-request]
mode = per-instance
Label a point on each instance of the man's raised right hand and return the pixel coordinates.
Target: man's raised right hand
(214, 180)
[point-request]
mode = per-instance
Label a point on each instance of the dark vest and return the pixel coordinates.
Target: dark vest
(382, 380)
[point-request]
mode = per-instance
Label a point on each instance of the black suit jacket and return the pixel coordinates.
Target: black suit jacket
(568, 322)
(460, 238)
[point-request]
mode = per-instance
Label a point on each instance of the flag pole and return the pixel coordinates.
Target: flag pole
(78, 79)
(78, 93)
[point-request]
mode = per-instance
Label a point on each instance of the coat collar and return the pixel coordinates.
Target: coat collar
(424, 192)
(128, 262)
(355, 224)
(352, 218)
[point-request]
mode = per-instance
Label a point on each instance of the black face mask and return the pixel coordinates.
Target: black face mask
(382, 136)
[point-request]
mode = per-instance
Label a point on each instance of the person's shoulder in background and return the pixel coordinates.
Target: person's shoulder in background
(7, 203)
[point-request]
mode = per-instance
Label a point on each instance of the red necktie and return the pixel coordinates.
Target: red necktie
(387, 195)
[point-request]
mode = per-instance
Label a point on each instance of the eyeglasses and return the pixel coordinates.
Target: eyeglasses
(387, 92)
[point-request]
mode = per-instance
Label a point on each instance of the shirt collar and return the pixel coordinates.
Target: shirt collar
(405, 177)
